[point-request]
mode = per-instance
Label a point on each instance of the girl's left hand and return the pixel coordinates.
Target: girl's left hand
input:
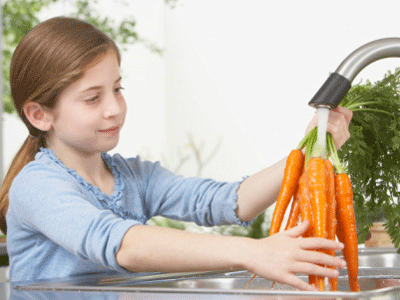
(338, 125)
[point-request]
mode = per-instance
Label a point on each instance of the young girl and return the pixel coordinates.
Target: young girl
(73, 209)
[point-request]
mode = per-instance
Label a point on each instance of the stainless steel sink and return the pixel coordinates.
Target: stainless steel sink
(377, 262)
(237, 281)
(379, 278)
(378, 258)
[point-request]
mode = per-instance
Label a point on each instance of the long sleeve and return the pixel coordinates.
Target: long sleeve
(201, 200)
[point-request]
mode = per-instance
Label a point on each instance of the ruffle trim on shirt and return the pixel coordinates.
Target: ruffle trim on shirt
(234, 206)
(112, 202)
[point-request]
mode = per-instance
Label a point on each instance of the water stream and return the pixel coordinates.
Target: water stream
(323, 114)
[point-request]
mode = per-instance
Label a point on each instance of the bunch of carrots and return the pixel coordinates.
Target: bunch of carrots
(320, 191)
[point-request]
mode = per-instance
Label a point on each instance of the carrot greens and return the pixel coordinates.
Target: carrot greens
(371, 156)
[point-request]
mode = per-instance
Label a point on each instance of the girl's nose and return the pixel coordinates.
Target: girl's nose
(114, 106)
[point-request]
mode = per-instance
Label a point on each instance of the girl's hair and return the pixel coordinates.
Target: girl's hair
(50, 57)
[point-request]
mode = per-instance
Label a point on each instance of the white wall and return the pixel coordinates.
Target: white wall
(268, 58)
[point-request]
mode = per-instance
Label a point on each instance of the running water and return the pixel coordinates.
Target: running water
(323, 113)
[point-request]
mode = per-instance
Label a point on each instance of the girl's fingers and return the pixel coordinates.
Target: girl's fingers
(298, 230)
(313, 269)
(297, 283)
(319, 258)
(313, 243)
(347, 113)
(339, 128)
(338, 123)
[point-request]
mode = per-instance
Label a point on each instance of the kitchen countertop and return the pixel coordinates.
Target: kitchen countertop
(88, 295)
(193, 286)
(379, 277)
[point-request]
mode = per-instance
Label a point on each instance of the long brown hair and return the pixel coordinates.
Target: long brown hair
(50, 57)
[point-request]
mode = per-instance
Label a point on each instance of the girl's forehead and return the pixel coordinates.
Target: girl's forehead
(107, 64)
(105, 71)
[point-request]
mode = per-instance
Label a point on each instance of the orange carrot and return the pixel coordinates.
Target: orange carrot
(293, 169)
(251, 279)
(331, 213)
(306, 213)
(294, 212)
(317, 188)
(331, 200)
(293, 215)
(347, 226)
(312, 279)
(340, 236)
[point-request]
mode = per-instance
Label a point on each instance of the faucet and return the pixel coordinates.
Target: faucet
(338, 83)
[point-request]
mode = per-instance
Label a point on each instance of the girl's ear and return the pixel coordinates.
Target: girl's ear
(37, 116)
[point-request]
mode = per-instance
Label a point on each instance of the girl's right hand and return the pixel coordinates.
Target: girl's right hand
(283, 255)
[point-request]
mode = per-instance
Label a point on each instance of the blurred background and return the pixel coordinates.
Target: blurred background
(214, 88)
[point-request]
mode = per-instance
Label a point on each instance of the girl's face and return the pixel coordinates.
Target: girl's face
(89, 113)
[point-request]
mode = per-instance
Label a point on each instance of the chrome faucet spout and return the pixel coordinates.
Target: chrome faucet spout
(338, 83)
(367, 54)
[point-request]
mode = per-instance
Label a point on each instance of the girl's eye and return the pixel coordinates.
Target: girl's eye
(92, 100)
(118, 89)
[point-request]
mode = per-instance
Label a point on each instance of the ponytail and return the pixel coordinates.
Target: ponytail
(25, 155)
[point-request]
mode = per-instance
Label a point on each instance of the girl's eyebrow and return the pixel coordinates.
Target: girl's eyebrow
(97, 87)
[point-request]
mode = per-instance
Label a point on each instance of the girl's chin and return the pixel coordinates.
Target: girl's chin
(104, 147)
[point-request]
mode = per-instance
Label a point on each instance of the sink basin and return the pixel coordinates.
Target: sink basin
(378, 258)
(379, 277)
(238, 280)
(385, 283)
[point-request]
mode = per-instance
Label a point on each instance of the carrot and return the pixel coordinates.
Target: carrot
(294, 212)
(312, 279)
(293, 169)
(340, 236)
(306, 213)
(251, 279)
(331, 200)
(293, 215)
(317, 188)
(347, 226)
(331, 213)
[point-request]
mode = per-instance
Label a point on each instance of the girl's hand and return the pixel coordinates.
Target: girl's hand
(281, 256)
(338, 124)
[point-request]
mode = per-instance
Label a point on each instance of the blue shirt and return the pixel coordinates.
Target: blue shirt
(59, 225)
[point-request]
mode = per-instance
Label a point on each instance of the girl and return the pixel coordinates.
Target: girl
(73, 209)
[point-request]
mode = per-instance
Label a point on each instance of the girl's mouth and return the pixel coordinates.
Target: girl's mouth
(111, 131)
